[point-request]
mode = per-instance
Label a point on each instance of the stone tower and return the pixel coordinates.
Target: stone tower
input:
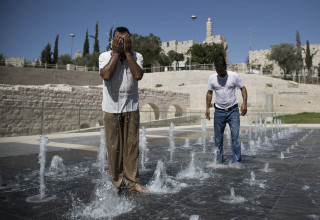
(209, 28)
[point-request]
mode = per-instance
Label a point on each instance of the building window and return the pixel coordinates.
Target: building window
(168, 44)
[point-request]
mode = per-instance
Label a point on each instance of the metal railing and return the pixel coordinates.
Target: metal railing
(302, 78)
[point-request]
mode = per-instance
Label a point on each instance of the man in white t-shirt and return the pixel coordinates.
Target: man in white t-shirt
(121, 69)
(225, 83)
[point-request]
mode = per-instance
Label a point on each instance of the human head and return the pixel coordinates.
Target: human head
(121, 30)
(220, 65)
(220, 61)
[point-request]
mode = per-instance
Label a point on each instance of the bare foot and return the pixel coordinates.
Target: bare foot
(141, 189)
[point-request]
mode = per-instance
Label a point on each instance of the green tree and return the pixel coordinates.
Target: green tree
(46, 54)
(299, 53)
(109, 47)
(205, 53)
(309, 57)
(173, 55)
(90, 60)
(55, 51)
(164, 60)
(96, 48)
(94, 59)
(65, 59)
(148, 46)
(86, 45)
(285, 54)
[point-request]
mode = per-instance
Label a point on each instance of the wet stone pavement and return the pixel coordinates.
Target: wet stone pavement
(279, 178)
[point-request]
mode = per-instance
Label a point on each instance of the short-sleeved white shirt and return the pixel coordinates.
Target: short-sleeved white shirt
(225, 88)
(120, 94)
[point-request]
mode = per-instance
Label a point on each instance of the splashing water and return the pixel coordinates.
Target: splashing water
(42, 197)
(42, 160)
(172, 144)
(204, 125)
(232, 198)
(192, 171)
(143, 148)
(102, 151)
(160, 183)
(106, 203)
(253, 178)
(186, 143)
(194, 217)
(266, 167)
(57, 167)
(101, 157)
(211, 139)
(281, 155)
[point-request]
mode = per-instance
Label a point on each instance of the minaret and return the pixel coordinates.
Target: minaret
(209, 28)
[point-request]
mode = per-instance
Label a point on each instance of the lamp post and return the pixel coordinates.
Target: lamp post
(72, 36)
(193, 17)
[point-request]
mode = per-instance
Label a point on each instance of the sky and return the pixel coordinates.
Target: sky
(27, 26)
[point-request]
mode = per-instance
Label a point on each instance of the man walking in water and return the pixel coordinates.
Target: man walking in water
(121, 69)
(224, 83)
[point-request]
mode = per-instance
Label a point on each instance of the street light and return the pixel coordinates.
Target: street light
(193, 17)
(72, 36)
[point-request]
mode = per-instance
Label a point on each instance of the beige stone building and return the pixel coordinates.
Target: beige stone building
(15, 61)
(183, 46)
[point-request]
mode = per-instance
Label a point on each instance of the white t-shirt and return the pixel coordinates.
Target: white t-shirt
(225, 88)
(120, 94)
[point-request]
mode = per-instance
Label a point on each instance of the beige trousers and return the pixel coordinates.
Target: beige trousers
(122, 140)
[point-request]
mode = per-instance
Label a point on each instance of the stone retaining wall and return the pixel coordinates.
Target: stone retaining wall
(27, 110)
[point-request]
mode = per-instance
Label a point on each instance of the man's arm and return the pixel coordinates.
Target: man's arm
(108, 70)
(134, 67)
(208, 102)
(244, 94)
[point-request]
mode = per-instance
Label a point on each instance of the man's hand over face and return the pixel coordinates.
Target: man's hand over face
(127, 43)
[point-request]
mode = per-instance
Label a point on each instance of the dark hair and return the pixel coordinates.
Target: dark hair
(220, 61)
(121, 30)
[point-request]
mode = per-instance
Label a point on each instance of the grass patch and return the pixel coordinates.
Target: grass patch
(301, 118)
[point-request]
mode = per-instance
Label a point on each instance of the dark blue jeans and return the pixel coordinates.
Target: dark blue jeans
(221, 118)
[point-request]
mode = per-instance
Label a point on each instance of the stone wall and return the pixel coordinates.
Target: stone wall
(49, 108)
(27, 110)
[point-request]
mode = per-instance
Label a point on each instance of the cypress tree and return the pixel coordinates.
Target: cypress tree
(96, 41)
(46, 54)
(299, 53)
(298, 44)
(308, 59)
(86, 45)
(55, 51)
